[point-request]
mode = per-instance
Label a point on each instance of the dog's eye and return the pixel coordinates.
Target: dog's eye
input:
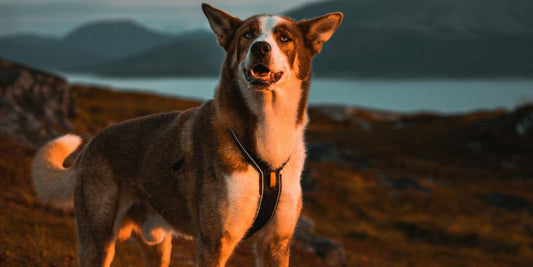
(248, 35)
(284, 38)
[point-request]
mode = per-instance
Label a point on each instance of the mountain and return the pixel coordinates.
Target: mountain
(442, 38)
(194, 54)
(115, 39)
(383, 39)
(88, 45)
(45, 52)
(377, 39)
(27, 39)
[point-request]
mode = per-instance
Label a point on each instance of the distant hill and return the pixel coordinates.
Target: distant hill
(88, 45)
(383, 38)
(442, 38)
(377, 39)
(194, 54)
(45, 52)
(115, 39)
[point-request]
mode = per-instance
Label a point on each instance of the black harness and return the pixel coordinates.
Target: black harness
(269, 188)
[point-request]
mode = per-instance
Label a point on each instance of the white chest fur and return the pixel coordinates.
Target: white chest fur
(277, 134)
(243, 195)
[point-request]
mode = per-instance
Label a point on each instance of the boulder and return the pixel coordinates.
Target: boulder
(330, 251)
(34, 106)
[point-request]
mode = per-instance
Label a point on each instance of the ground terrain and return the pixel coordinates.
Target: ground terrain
(393, 190)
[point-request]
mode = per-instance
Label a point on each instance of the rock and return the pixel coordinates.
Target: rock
(507, 201)
(321, 152)
(338, 153)
(524, 126)
(403, 183)
(34, 106)
(338, 113)
(305, 224)
(330, 251)
(504, 132)
(308, 183)
(362, 118)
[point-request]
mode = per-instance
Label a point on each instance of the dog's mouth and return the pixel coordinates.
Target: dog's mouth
(260, 74)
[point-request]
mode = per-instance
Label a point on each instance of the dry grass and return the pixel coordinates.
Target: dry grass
(402, 194)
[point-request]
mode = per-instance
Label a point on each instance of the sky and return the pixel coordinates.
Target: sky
(58, 17)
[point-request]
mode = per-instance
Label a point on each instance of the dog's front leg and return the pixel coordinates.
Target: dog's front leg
(221, 229)
(215, 250)
(272, 244)
(274, 251)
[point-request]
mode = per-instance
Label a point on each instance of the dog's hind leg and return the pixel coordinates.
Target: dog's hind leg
(96, 202)
(157, 255)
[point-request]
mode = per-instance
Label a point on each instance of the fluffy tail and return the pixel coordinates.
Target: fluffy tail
(53, 183)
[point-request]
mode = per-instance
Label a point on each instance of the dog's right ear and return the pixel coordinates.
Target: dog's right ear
(319, 30)
(223, 24)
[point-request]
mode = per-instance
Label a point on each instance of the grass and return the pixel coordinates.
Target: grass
(405, 192)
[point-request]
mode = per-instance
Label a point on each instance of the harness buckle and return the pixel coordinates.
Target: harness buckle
(272, 180)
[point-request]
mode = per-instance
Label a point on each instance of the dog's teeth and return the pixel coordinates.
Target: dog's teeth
(260, 74)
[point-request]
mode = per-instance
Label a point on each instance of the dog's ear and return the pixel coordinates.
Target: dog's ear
(223, 24)
(319, 30)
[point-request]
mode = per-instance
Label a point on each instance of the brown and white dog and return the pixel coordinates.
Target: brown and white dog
(181, 173)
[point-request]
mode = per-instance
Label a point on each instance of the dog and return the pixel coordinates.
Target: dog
(193, 173)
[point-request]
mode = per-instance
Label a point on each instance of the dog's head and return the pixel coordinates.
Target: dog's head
(264, 52)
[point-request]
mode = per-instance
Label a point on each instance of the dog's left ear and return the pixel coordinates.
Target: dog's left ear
(319, 30)
(223, 24)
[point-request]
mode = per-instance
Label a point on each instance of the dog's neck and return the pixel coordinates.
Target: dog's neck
(269, 123)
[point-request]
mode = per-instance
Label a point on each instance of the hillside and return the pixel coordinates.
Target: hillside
(392, 190)
(88, 45)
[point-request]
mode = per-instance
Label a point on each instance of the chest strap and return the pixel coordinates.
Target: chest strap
(269, 188)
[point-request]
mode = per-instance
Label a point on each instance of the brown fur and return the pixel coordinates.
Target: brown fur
(180, 173)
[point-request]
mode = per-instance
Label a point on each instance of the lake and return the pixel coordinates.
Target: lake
(405, 96)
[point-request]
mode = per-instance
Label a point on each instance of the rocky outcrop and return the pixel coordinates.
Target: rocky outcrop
(34, 106)
(330, 251)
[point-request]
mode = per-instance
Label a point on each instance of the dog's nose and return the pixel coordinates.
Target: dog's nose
(261, 48)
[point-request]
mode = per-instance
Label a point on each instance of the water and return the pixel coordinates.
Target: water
(406, 96)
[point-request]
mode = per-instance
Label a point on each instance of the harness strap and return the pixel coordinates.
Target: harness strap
(269, 188)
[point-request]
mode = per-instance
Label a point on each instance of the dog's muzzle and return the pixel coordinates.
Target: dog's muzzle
(261, 75)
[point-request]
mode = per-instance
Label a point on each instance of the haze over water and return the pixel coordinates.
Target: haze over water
(406, 96)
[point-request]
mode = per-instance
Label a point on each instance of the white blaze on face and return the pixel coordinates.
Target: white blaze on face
(278, 60)
(276, 108)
